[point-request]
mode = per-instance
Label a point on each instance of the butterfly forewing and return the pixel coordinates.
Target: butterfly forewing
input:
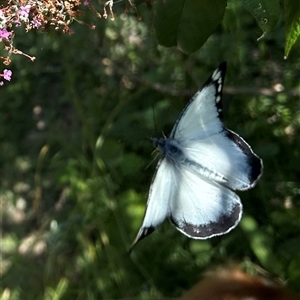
(201, 117)
(158, 199)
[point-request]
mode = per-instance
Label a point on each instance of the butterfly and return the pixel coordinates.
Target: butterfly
(202, 164)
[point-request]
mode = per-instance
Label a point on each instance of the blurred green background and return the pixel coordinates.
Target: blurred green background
(75, 145)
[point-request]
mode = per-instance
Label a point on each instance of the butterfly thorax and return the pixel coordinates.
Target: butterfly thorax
(170, 148)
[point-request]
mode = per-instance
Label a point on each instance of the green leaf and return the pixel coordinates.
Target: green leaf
(262, 244)
(294, 270)
(292, 24)
(108, 152)
(266, 12)
(187, 24)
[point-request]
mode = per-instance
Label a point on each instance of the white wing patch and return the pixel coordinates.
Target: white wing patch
(201, 208)
(224, 157)
(158, 199)
(201, 116)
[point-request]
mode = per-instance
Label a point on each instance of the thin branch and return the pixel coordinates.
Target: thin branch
(230, 90)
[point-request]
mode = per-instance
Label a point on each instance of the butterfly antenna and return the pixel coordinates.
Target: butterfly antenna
(151, 162)
(154, 119)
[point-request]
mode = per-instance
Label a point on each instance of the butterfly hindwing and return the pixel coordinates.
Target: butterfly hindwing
(201, 208)
(224, 157)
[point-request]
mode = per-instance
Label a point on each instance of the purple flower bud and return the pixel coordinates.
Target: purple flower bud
(4, 34)
(24, 11)
(7, 74)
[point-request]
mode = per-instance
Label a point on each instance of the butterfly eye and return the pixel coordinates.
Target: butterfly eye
(173, 149)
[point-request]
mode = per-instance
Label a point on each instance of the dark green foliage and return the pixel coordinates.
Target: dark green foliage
(266, 13)
(187, 24)
(75, 129)
(292, 26)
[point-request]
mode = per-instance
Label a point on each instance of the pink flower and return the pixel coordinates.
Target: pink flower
(17, 23)
(4, 34)
(36, 23)
(7, 74)
(86, 2)
(24, 11)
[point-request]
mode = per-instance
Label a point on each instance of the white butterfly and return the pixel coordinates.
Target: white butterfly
(202, 163)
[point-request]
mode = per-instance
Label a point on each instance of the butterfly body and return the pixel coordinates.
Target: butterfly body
(170, 149)
(173, 151)
(202, 164)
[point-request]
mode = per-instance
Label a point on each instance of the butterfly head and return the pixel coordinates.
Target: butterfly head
(169, 148)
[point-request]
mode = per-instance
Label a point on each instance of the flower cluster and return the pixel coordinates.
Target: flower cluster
(41, 14)
(33, 14)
